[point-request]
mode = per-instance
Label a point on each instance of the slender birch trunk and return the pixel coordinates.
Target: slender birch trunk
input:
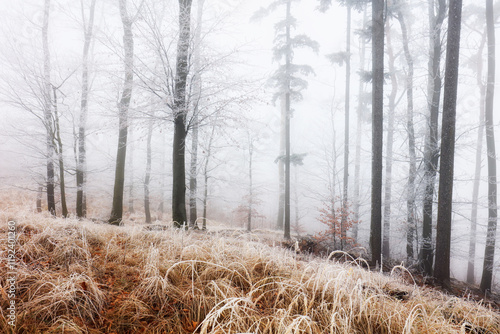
(81, 163)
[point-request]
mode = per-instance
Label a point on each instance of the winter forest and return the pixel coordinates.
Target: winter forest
(365, 127)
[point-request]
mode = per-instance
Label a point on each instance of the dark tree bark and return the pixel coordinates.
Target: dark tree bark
(179, 215)
(489, 251)
(431, 150)
(446, 170)
(377, 128)
(51, 202)
(412, 170)
(389, 147)
(81, 165)
(123, 106)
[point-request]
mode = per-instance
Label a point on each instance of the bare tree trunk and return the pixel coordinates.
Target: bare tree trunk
(130, 144)
(287, 122)
(489, 251)
(377, 128)
(51, 202)
(431, 150)
(161, 206)
(296, 202)
(411, 207)
(477, 168)
(205, 198)
(389, 146)
(179, 215)
(281, 167)
(359, 126)
(59, 150)
(250, 185)
(123, 106)
(446, 170)
(147, 177)
(81, 163)
(208, 151)
(346, 127)
(193, 184)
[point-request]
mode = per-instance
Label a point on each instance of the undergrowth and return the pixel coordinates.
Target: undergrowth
(82, 277)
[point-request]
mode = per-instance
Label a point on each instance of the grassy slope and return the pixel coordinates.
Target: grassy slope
(81, 277)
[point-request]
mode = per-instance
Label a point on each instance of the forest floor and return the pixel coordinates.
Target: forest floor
(73, 276)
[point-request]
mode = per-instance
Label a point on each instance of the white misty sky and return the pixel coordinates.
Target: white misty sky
(313, 129)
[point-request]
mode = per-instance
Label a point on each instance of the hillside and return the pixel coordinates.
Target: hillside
(82, 277)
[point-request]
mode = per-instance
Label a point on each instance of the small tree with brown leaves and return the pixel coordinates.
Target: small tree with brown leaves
(338, 221)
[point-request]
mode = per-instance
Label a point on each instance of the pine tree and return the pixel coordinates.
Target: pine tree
(287, 81)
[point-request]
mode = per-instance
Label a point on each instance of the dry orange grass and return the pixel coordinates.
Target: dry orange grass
(81, 277)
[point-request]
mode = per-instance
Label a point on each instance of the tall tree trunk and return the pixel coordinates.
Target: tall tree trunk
(123, 106)
(147, 177)
(431, 150)
(208, 150)
(161, 206)
(59, 150)
(446, 169)
(51, 202)
(359, 126)
(288, 57)
(193, 184)
(81, 163)
(346, 127)
(281, 167)
(296, 202)
(389, 145)
(477, 168)
(377, 128)
(250, 185)
(179, 215)
(489, 251)
(131, 197)
(412, 170)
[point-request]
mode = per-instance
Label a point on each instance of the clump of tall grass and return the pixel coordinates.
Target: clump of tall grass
(81, 277)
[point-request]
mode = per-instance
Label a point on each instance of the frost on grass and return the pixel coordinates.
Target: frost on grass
(80, 277)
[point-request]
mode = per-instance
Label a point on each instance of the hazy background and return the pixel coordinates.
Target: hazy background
(243, 50)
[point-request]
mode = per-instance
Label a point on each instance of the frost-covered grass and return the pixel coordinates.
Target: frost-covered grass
(81, 277)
